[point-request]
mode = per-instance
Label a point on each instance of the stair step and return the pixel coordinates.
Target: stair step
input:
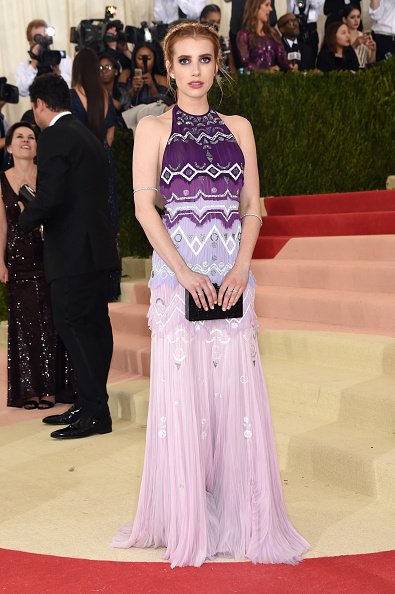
(374, 355)
(132, 353)
(359, 460)
(269, 246)
(316, 225)
(379, 248)
(376, 200)
(136, 268)
(363, 276)
(128, 400)
(129, 318)
(359, 310)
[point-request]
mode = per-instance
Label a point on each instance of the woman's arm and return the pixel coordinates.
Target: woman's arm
(237, 278)
(146, 159)
(3, 240)
(110, 135)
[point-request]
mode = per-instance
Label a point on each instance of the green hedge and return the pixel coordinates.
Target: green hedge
(315, 133)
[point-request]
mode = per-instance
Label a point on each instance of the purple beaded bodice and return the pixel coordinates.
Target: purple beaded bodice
(201, 180)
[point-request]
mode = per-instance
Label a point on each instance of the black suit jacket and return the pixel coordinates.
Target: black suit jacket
(71, 201)
(307, 61)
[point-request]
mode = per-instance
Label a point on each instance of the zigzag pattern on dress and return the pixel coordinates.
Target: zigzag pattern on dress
(189, 172)
(200, 194)
(219, 136)
(209, 213)
(162, 270)
(213, 235)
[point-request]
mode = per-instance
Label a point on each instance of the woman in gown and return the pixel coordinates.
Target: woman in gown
(93, 106)
(211, 483)
(38, 368)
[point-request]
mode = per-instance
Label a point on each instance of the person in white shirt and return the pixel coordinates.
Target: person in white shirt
(27, 70)
(168, 11)
(308, 20)
(382, 13)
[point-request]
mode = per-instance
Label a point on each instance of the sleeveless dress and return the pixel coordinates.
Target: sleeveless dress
(38, 364)
(211, 483)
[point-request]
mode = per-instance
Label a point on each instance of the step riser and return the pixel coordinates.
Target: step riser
(321, 275)
(131, 360)
(379, 248)
(362, 474)
(369, 354)
(133, 323)
(329, 310)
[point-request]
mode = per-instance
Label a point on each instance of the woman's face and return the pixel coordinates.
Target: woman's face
(145, 51)
(194, 66)
(107, 71)
(23, 144)
(343, 38)
(264, 11)
(353, 20)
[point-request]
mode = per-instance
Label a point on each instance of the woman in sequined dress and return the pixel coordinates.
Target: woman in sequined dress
(38, 368)
(211, 483)
(258, 43)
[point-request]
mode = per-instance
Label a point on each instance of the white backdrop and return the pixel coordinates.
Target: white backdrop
(63, 14)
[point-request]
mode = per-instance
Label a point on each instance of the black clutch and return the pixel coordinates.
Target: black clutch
(195, 314)
(26, 194)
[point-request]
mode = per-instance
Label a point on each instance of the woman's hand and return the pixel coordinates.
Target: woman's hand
(148, 80)
(232, 287)
(200, 287)
(3, 273)
(137, 83)
(21, 206)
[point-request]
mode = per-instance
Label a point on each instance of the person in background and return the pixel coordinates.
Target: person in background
(93, 106)
(119, 51)
(236, 23)
(211, 16)
(336, 52)
(300, 55)
(258, 43)
(109, 72)
(363, 43)
(382, 13)
(148, 80)
(3, 130)
(308, 17)
(168, 11)
(27, 70)
(39, 370)
(333, 9)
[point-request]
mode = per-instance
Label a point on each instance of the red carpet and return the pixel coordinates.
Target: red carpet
(42, 574)
(353, 213)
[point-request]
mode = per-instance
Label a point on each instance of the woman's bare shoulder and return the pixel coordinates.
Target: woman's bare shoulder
(238, 125)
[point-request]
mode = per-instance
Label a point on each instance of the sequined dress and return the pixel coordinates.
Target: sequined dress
(211, 483)
(37, 362)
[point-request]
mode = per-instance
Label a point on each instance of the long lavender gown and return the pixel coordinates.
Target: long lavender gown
(211, 482)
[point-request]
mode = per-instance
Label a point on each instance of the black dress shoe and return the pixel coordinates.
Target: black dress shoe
(65, 418)
(84, 427)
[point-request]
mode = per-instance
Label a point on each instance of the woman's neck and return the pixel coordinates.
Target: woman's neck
(260, 29)
(194, 106)
(354, 34)
(339, 52)
(24, 171)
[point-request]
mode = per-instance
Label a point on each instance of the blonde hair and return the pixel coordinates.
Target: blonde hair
(194, 30)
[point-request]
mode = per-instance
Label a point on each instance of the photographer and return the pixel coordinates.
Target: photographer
(300, 55)
(148, 80)
(168, 11)
(117, 47)
(308, 12)
(28, 69)
(334, 10)
(3, 130)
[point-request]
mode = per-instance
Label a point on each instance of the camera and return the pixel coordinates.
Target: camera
(45, 57)
(8, 93)
(301, 4)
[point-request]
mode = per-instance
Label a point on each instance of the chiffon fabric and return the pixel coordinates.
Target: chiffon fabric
(211, 483)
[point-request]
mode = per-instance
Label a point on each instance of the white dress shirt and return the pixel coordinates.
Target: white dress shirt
(167, 10)
(58, 116)
(383, 18)
(25, 74)
(313, 9)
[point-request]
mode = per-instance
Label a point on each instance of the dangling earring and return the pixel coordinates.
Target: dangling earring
(10, 160)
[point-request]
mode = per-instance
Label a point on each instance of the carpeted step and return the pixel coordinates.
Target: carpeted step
(377, 200)
(359, 310)
(128, 400)
(128, 318)
(358, 353)
(269, 246)
(131, 353)
(316, 225)
(361, 276)
(353, 247)
(359, 460)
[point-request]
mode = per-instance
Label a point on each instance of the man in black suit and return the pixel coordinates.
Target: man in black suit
(300, 55)
(79, 249)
